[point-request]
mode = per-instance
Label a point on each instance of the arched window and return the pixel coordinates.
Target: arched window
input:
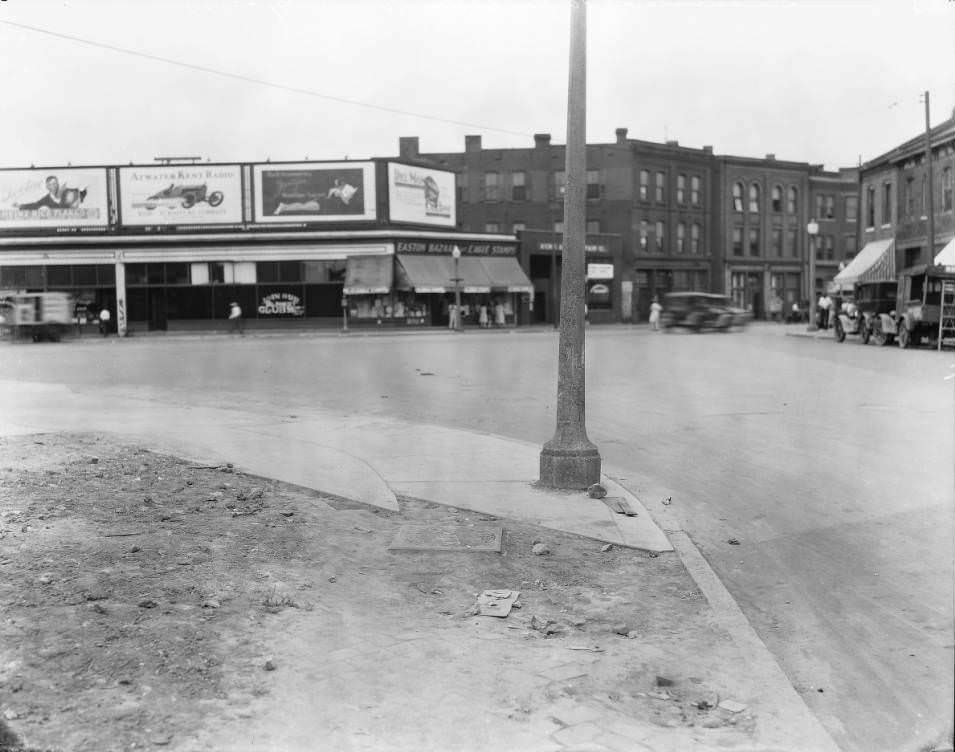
(738, 197)
(792, 200)
(754, 198)
(777, 198)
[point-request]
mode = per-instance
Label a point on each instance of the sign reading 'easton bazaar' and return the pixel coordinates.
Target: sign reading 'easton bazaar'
(447, 248)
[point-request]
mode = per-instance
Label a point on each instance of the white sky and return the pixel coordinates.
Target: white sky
(812, 80)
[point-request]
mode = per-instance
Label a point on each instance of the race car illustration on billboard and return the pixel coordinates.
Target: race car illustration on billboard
(185, 196)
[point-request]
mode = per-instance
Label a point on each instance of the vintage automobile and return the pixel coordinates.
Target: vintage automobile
(925, 296)
(697, 311)
(868, 301)
(185, 196)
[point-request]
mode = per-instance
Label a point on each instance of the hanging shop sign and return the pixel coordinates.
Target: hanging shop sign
(54, 199)
(180, 195)
(599, 271)
(281, 304)
(310, 192)
(447, 248)
(420, 195)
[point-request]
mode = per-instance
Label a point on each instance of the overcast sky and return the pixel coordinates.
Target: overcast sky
(824, 82)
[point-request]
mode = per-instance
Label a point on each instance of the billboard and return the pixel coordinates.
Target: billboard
(53, 198)
(420, 195)
(180, 195)
(314, 192)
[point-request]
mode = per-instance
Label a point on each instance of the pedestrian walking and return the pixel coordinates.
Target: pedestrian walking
(453, 314)
(235, 319)
(104, 317)
(824, 304)
(655, 310)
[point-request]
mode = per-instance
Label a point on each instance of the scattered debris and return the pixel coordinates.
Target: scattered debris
(546, 626)
(621, 629)
(605, 548)
(732, 706)
(45, 579)
(147, 603)
(287, 513)
(588, 648)
(135, 550)
(426, 373)
(123, 533)
(667, 501)
(211, 603)
(596, 491)
(496, 602)
(660, 694)
(733, 542)
(663, 681)
(94, 460)
(540, 549)
(269, 665)
(633, 634)
(652, 554)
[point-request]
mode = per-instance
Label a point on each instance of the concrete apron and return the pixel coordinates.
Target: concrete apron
(364, 459)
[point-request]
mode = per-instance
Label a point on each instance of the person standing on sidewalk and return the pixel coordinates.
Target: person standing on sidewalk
(655, 310)
(235, 319)
(104, 317)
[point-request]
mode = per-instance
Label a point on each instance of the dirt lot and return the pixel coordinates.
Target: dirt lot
(143, 597)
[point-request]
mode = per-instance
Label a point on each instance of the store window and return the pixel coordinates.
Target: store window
(20, 277)
(492, 186)
(777, 199)
(695, 190)
(754, 198)
(593, 184)
(518, 186)
(737, 197)
(317, 272)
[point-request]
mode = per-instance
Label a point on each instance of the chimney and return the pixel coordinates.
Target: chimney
(408, 147)
(472, 143)
(771, 157)
(541, 140)
(673, 143)
(707, 149)
(621, 135)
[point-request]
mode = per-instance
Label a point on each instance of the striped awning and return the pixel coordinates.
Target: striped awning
(874, 263)
(506, 274)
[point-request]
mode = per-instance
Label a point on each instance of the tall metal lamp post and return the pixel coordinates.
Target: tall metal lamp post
(569, 459)
(456, 255)
(812, 229)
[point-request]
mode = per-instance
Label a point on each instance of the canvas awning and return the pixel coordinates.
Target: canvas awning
(874, 263)
(506, 274)
(429, 274)
(369, 275)
(946, 256)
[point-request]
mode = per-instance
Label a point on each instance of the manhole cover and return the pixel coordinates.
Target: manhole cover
(447, 538)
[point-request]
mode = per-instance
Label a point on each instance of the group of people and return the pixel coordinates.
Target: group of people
(483, 311)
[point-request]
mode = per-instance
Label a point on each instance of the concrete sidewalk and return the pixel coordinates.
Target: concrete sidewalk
(375, 459)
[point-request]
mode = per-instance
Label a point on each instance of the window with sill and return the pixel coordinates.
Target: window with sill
(695, 239)
(518, 186)
(792, 200)
(593, 184)
(753, 242)
(660, 188)
(754, 198)
(738, 197)
(681, 189)
(777, 199)
(737, 241)
(695, 190)
(491, 186)
(644, 185)
(681, 237)
(659, 237)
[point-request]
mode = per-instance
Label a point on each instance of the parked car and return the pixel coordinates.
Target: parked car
(868, 303)
(701, 310)
(921, 306)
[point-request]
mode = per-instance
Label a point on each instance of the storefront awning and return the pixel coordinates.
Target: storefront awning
(946, 256)
(874, 263)
(369, 275)
(429, 274)
(506, 274)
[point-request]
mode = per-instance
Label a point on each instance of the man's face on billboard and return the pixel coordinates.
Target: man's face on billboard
(53, 185)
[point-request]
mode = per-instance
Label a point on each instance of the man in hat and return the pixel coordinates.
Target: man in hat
(235, 318)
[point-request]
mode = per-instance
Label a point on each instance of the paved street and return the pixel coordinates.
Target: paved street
(832, 465)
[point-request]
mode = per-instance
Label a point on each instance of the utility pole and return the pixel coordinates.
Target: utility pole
(931, 184)
(569, 460)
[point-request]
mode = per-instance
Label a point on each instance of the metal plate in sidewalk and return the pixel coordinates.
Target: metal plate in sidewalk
(466, 538)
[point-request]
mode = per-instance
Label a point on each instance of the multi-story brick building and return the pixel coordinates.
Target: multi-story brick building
(667, 217)
(894, 196)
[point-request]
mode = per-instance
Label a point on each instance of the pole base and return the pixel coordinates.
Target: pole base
(575, 468)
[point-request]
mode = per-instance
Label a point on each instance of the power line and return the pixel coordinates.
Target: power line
(257, 81)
